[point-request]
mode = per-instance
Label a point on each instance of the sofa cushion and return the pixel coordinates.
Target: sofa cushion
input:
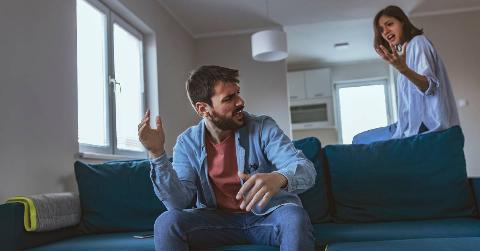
(249, 247)
(126, 242)
(314, 200)
(418, 177)
(437, 244)
(103, 242)
(327, 233)
(117, 196)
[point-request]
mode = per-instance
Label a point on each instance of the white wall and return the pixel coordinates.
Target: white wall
(456, 38)
(263, 85)
(38, 128)
(363, 70)
(38, 95)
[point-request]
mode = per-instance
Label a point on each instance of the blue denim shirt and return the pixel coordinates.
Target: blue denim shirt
(261, 147)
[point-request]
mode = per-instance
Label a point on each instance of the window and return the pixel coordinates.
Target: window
(110, 81)
(362, 105)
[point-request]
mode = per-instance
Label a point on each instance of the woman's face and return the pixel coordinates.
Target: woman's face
(391, 29)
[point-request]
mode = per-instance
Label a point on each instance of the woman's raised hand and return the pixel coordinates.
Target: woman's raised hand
(397, 60)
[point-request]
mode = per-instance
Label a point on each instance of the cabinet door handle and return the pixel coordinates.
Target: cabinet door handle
(293, 97)
(319, 95)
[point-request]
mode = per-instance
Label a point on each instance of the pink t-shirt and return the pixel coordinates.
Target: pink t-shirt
(222, 170)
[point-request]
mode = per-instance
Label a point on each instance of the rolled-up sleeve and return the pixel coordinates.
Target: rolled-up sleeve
(423, 63)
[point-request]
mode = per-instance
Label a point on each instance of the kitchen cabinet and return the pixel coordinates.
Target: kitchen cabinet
(310, 84)
(317, 83)
(296, 85)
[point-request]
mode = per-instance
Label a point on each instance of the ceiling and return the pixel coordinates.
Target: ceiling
(312, 26)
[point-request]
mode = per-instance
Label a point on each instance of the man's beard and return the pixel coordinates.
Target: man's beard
(225, 124)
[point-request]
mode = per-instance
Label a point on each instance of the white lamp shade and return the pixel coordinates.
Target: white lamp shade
(269, 45)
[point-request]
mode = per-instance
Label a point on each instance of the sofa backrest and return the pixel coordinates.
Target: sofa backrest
(418, 177)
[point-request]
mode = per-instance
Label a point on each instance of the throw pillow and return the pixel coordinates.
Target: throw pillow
(117, 196)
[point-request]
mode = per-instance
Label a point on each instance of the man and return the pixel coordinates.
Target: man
(233, 176)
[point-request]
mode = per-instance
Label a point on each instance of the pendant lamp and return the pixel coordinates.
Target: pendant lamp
(269, 45)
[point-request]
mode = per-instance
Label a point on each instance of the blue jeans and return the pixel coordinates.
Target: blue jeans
(287, 226)
(374, 135)
(381, 134)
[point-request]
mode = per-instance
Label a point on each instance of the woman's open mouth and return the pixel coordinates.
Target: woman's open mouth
(391, 38)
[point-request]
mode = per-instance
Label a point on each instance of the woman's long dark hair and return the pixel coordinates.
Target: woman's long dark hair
(409, 30)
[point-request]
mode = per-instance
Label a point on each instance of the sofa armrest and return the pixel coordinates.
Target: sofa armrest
(11, 227)
(14, 237)
(475, 181)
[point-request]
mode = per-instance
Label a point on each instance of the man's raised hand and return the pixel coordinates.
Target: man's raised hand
(152, 139)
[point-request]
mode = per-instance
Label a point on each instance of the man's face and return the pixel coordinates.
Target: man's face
(226, 111)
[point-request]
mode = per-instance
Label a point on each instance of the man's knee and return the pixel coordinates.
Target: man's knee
(295, 218)
(168, 220)
(296, 229)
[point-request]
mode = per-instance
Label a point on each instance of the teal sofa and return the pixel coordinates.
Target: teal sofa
(401, 194)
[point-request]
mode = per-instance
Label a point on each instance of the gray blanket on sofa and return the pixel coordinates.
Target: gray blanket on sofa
(45, 212)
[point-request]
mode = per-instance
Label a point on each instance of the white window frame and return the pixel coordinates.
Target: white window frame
(111, 151)
(389, 92)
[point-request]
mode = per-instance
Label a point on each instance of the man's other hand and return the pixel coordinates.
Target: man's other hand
(259, 188)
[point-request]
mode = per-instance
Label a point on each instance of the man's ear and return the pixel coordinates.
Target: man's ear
(203, 109)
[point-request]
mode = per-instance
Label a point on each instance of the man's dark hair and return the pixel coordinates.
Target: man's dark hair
(201, 82)
(409, 30)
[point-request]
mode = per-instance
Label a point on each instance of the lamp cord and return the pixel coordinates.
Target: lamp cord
(267, 9)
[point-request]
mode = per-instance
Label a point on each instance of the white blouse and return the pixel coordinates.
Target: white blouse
(436, 106)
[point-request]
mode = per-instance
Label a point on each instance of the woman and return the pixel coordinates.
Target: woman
(425, 99)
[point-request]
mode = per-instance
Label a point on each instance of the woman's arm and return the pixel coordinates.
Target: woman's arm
(400, 63)
(419, 80)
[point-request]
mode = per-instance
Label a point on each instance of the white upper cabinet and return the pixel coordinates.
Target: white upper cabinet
(296, 85)
(317, 83)
(311, 84)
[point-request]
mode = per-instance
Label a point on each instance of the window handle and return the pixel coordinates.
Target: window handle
(114, 84)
